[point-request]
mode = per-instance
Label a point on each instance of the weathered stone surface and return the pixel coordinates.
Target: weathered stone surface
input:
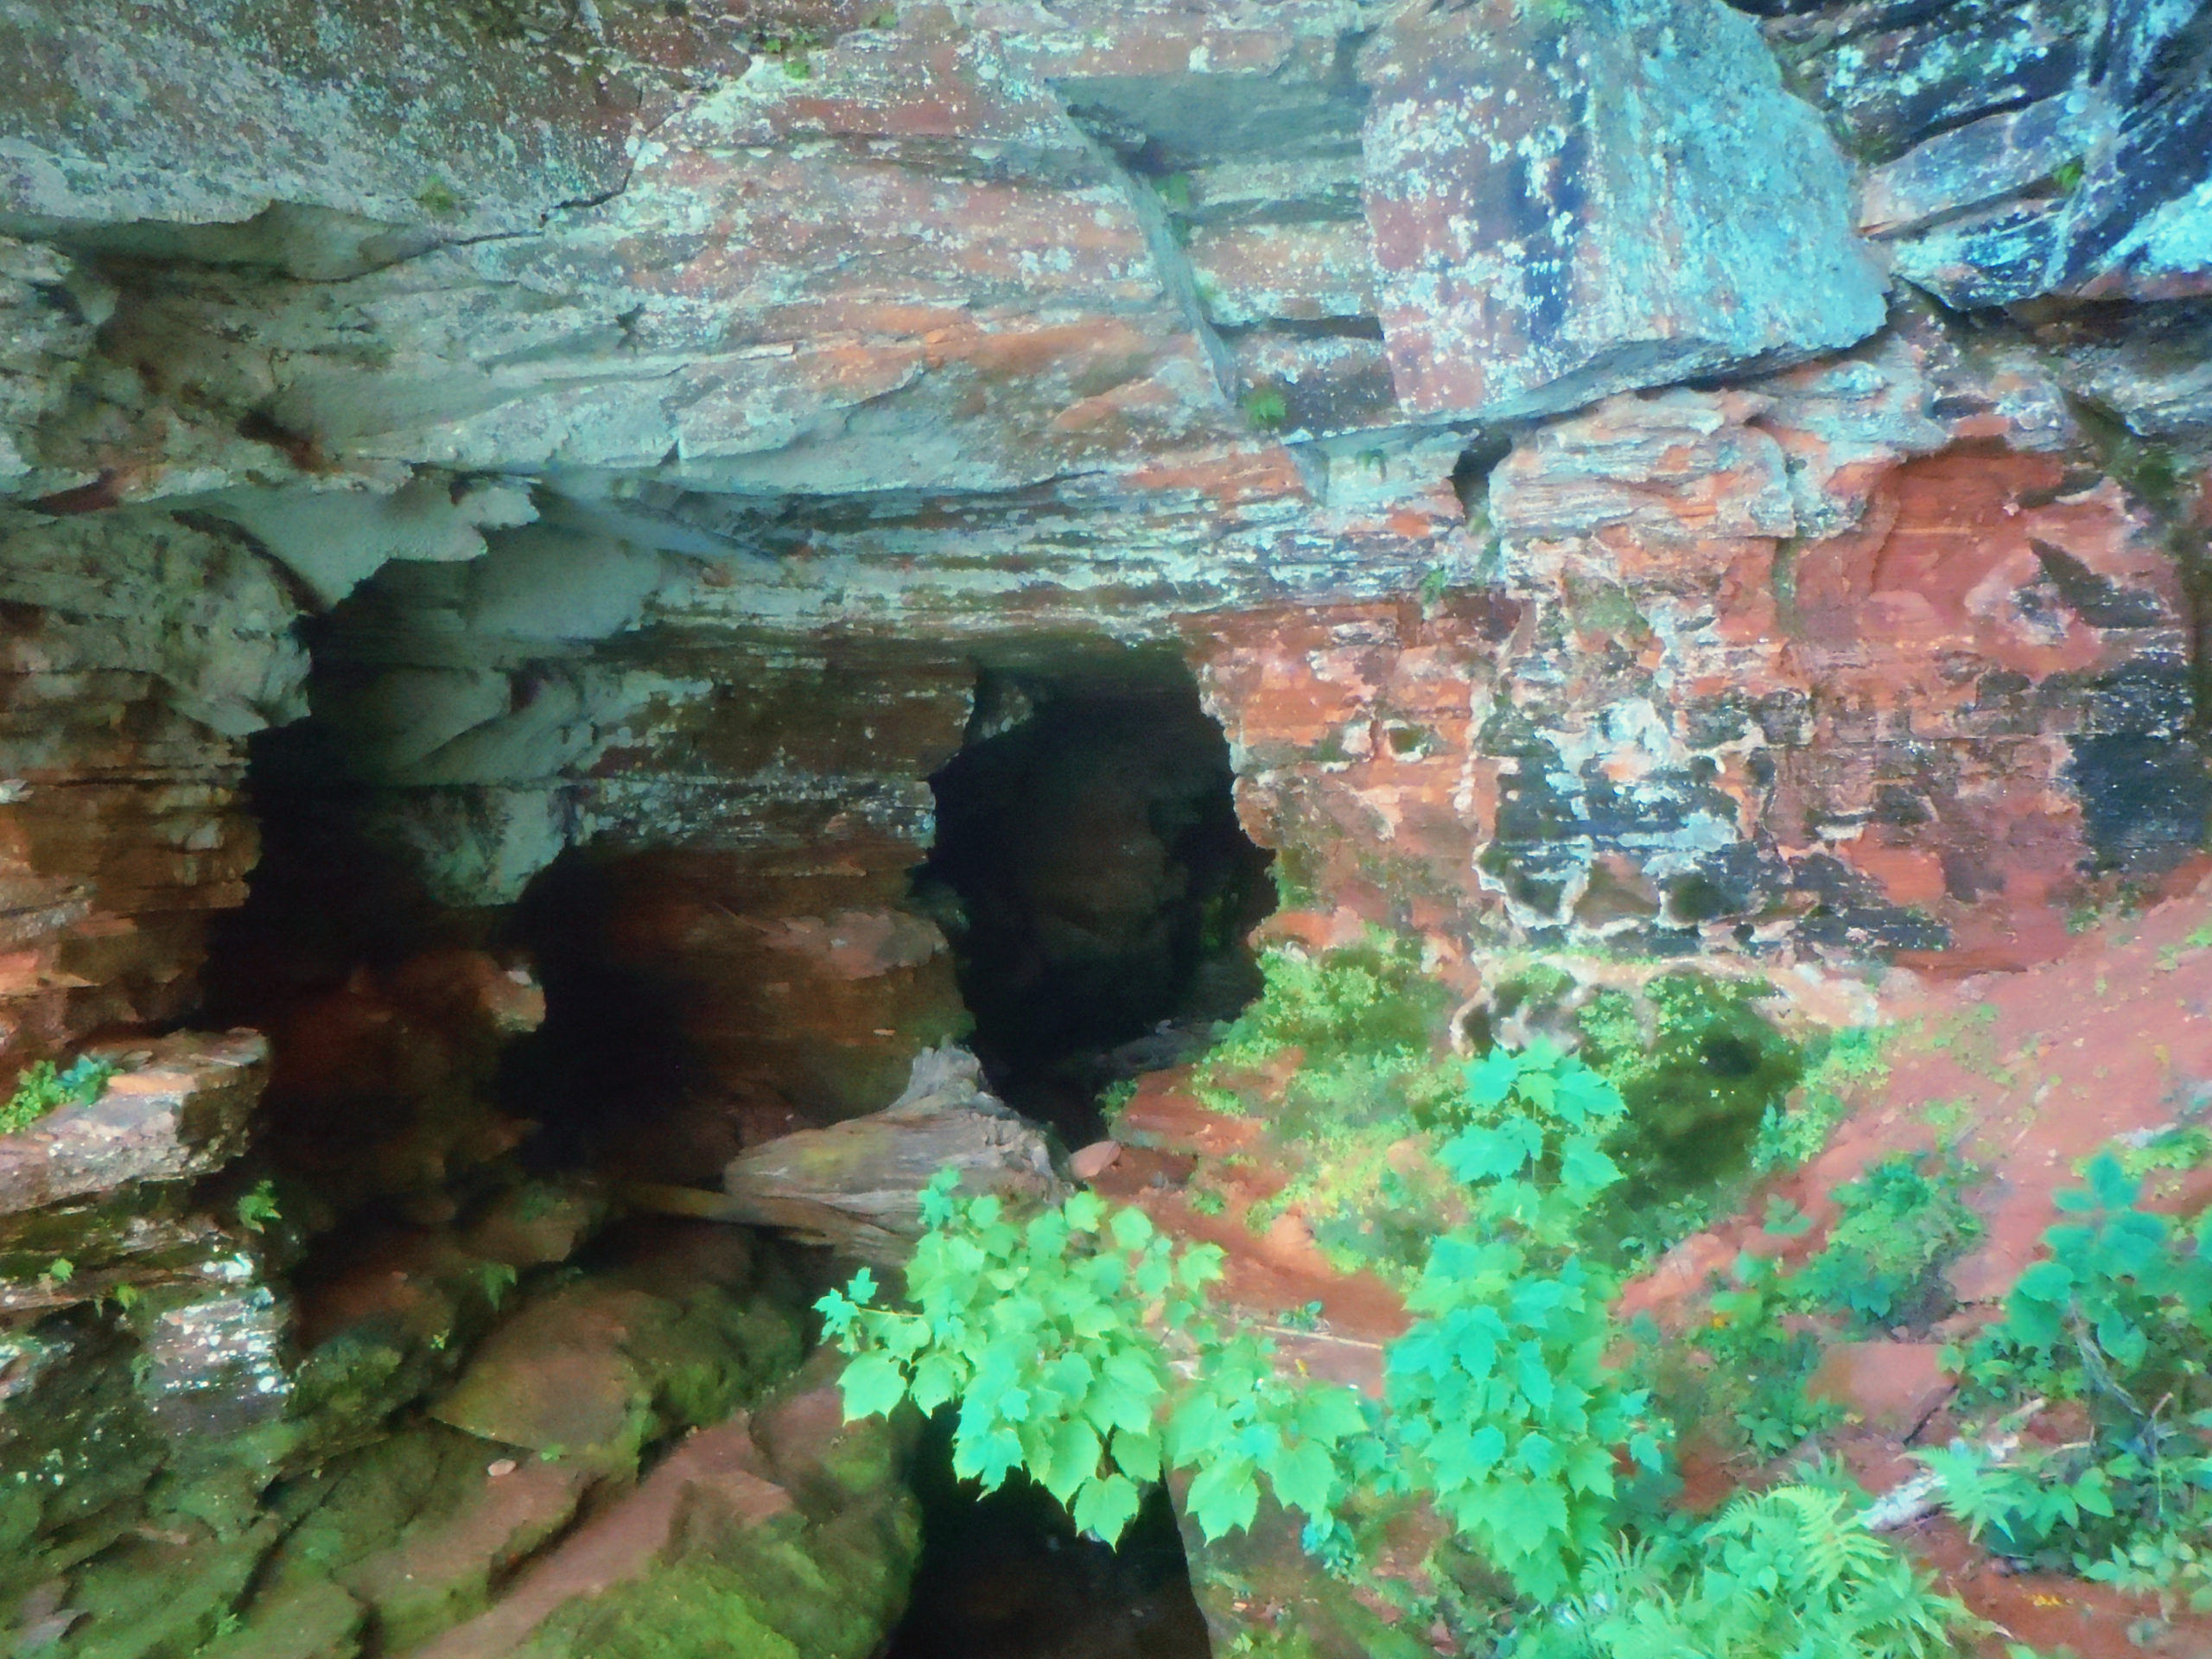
(383, 1087)
(786, 1534)
(1957, 695)
(857, 1185)
(2156, 375)
(45, 337)
(1894, 1385)
(1626, 215)
(1906, 72)
(137, 653)
(201, 114)
(2053, 148)
(179, 1112)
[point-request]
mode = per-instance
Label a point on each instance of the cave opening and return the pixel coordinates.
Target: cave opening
(1007, 1576)
(465, 1091)
(1093, 877)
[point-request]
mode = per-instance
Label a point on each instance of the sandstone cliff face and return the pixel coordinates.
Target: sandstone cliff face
(1574, 445)
(657, 338)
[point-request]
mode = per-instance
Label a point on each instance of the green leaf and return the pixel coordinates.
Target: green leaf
(1584, 1093)
(872, 1384)
(1071, 1458)
(1132, 1229)
(1104, 1508)
(1491, 1079)
(1137, 1455)
(1201, 1266)
(1223, 1497)
(936, 1381)
(1305, 1477)
(1491, 1152)
(1583, 1165)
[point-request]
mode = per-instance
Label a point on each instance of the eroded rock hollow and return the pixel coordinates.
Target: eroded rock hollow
(594, 593)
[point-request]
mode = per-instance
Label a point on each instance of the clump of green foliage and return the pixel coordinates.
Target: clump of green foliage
(1793, 1131)
(42, 1090)
(1115, 1098)
(1053, 1336)
(1903, 1221)
(257, 1207)
(1704, 1069)
(1083, 1348)
(1791, 1571)
(1760, 1362)
(1267, 408)
(2118, 1316)
(1365, 1022)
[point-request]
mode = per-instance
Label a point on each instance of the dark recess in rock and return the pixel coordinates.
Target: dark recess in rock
(1091, 874)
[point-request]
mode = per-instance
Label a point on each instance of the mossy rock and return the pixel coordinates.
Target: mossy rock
(366, 1502)
(146, 1599)
(312, 1621)
(785, 1587)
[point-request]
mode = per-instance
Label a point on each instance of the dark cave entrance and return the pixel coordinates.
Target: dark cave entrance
(1092, 875)
(1008, 1577)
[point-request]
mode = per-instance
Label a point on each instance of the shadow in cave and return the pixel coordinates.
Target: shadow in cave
(1007, 1576)
(1092, 875)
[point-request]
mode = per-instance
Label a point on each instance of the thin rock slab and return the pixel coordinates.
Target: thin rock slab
(857, 1185)
(177, 1113)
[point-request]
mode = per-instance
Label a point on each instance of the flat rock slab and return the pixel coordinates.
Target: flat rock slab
(1893, 1385)
(556, 1378)
(181, 1114)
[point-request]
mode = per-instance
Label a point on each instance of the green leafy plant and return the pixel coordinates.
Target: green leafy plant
(1902, 1221)
(42, 1090)
(2117, 1316)
(495, 1278)
(1506, 1411)
(257, 1207)
(1760, 1362)
(1051, 1337)
(1792, 1571)
(1267, 408)
(1792, 1132)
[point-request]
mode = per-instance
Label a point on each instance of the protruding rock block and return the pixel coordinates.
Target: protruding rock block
(1577, 198)
(180, 1114)
(857, 1185)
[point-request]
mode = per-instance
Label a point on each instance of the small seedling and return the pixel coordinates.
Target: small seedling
(256, 1207)
(1267, 408)
(42, 1090)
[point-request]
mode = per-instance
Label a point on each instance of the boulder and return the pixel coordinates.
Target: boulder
(856, 1186)
(1575, 198)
